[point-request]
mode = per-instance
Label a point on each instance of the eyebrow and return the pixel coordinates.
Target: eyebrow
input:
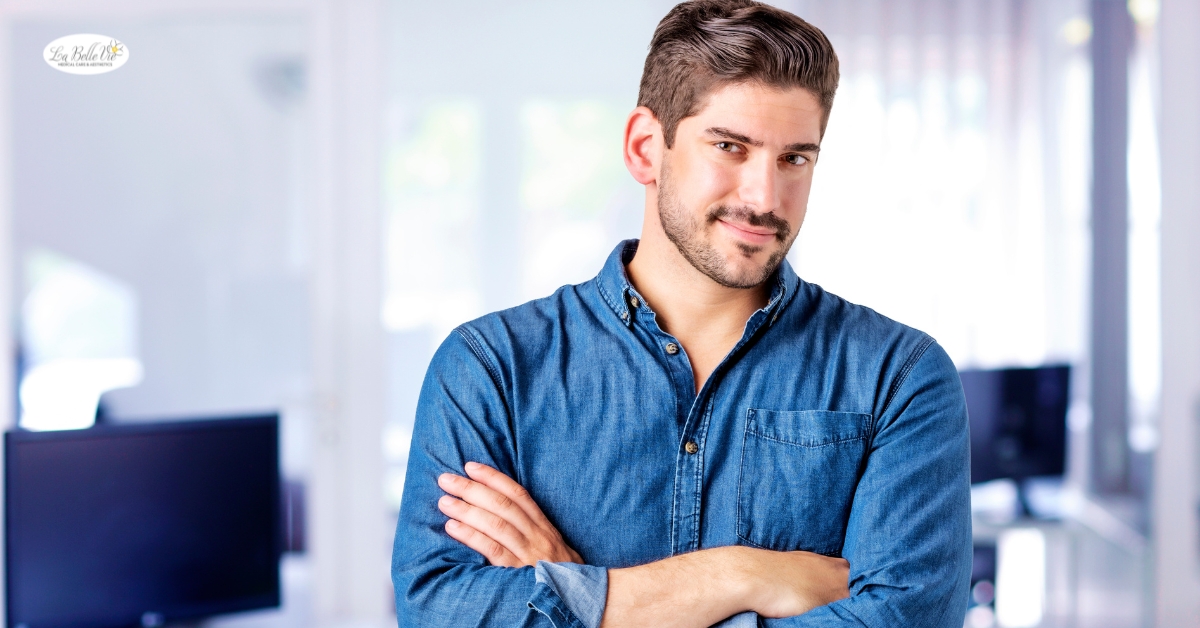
(721, 132)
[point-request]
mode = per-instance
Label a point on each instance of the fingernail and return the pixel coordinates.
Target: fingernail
(471, 466)
(452, 524)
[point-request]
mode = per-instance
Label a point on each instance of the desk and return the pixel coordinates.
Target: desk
(1089, 577)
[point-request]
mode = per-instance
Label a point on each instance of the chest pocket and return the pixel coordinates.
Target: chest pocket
(798, 475)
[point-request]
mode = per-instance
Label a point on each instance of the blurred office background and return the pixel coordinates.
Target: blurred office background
(287, 205)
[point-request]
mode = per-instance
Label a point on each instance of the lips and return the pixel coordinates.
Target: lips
(754, 235)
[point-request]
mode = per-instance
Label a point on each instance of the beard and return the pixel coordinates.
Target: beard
(689, 236)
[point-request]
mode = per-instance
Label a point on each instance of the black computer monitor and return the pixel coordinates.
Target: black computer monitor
(142, 524)
(1018, 421)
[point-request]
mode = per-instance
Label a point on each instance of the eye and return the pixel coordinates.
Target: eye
(728, 147)
(796, 159)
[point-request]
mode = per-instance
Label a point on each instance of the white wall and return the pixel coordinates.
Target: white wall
(244, 212)
(351, 543)
(1177, 474)
(175, 176)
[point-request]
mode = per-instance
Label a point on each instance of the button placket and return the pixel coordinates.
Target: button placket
(685, 508)
(690, 479)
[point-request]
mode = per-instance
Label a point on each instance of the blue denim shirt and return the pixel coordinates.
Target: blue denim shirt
(828, 428)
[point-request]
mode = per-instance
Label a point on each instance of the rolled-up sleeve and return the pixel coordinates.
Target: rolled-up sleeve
(908, 540)
(462, 416)
(571, 594)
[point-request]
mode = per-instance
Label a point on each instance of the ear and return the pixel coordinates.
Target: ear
(643, 145)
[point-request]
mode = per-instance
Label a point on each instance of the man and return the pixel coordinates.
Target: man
(696, 435)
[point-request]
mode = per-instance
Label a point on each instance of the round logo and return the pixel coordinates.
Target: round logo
(86, 54)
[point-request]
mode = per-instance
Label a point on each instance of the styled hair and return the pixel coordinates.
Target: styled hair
(703, 45)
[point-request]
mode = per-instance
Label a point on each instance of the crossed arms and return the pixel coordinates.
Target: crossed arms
(907, 539)
(493, 515)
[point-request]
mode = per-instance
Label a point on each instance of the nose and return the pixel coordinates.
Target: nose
(759, 185)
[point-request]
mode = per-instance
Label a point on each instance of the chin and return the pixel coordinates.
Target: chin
(733, 263)
(743, 259)
(747, 276)
(743, 273)
(751, 267)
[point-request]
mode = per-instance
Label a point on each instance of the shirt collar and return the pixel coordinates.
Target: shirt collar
(617, 291)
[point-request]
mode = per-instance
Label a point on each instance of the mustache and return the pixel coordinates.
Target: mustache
(754, 219)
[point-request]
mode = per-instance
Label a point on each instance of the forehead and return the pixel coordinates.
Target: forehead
(768, 113)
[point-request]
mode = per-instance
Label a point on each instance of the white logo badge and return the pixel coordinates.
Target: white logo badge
(86, 54)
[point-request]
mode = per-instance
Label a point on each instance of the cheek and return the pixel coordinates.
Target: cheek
(796, 205)
(707, 183)
(718, 178)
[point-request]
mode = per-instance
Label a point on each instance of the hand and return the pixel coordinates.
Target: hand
(496, 517)
(717, 583)
(797, 582)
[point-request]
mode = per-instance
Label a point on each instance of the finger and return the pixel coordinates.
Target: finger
(491, 525)
(508, 487)
(486, 498)
(495, 553)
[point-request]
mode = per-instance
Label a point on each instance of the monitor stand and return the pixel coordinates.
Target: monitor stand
(1023, 509)
(1049, 505)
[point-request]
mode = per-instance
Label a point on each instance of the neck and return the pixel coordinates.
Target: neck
(706, 317)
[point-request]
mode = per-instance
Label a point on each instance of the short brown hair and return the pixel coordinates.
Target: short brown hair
(702, 45)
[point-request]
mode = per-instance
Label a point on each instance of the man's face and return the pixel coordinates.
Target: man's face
(733, 190)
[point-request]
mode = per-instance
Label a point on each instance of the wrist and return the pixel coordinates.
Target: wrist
(744, 577)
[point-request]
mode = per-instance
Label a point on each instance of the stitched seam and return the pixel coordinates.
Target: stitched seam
(493, 371)
(675, 503)
(741, 537)
(742, 473)
(788, 297)
(900, 379)
(848, 439)
(477, 349)
(610, 300)
(559, 606)
(749, 542)
(678, 475)
(702, 435)
(739, 529)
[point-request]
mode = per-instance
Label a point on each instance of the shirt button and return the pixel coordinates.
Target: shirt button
(672, 348)
(691, 447)
(634, 302)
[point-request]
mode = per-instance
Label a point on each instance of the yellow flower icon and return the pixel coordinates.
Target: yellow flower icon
(115, 48)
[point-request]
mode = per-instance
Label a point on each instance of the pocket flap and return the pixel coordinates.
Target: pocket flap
(808, 428)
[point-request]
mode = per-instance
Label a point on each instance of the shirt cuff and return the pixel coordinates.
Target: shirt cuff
(571, 595)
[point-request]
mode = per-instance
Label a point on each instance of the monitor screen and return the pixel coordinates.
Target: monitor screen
(142, 524)
(1018, 421)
